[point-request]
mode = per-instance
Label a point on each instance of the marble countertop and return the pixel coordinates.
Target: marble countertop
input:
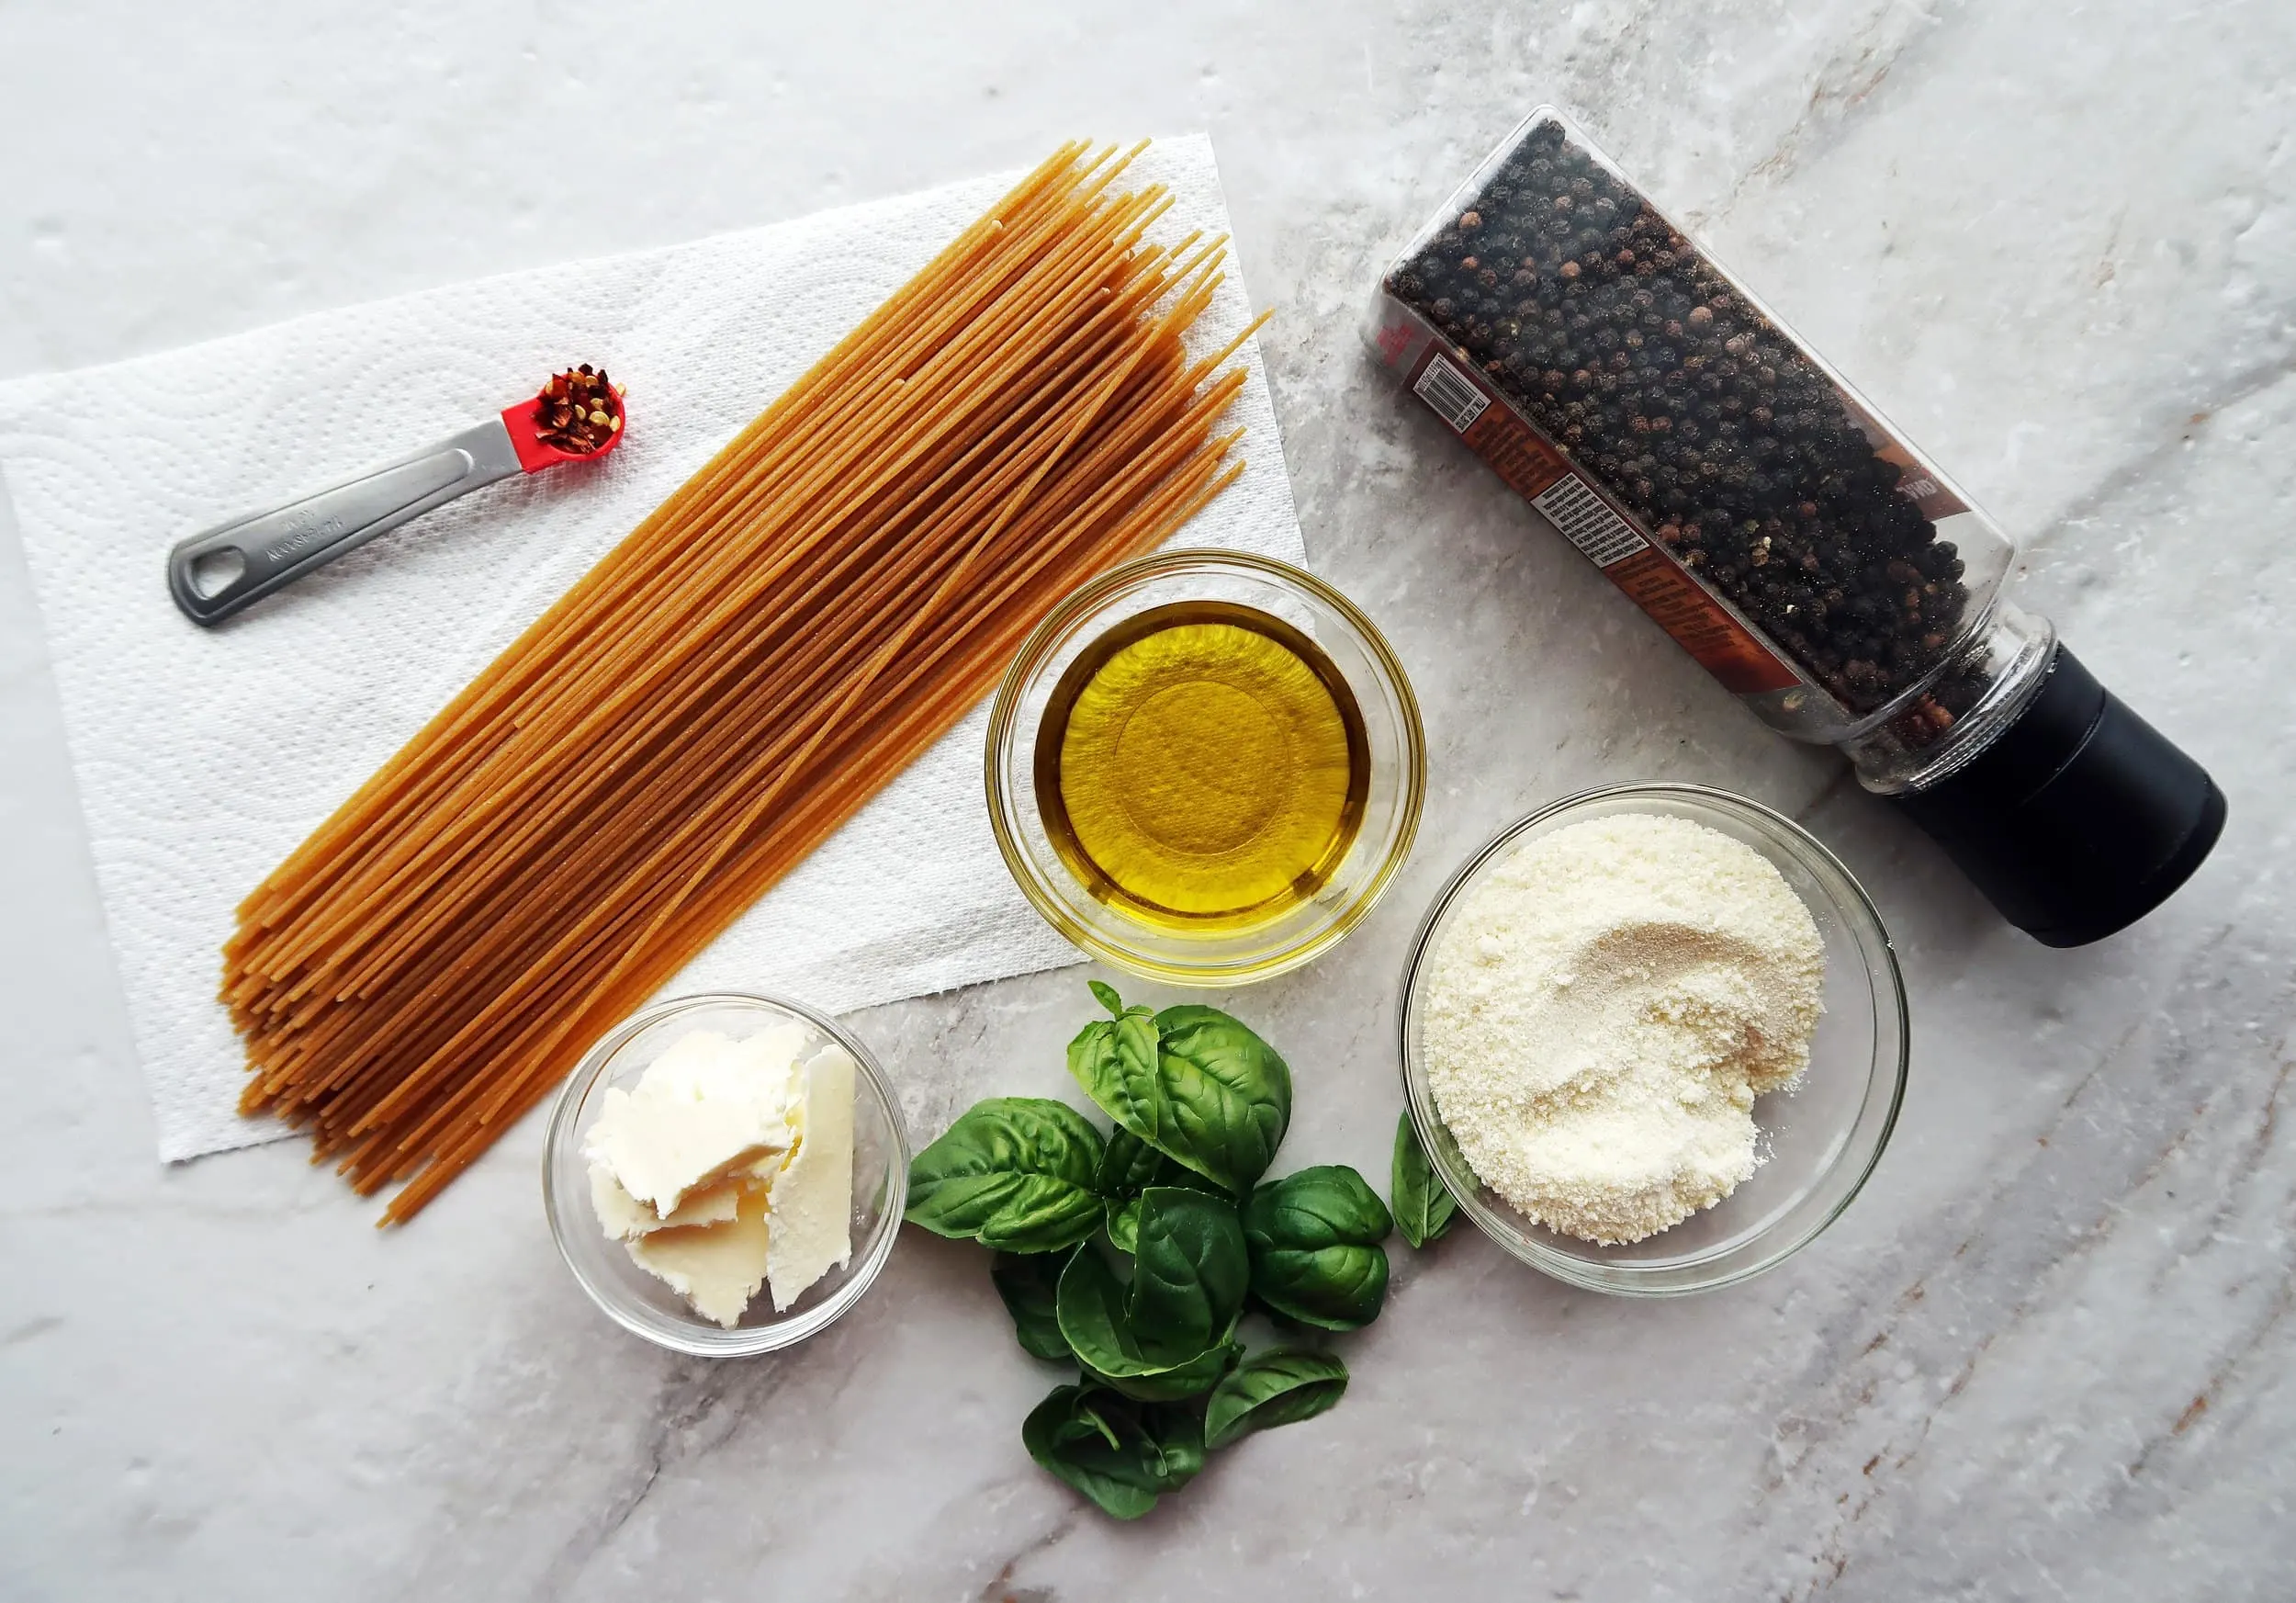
(2048, 1352)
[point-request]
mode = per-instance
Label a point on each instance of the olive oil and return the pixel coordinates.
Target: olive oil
(1202, 766)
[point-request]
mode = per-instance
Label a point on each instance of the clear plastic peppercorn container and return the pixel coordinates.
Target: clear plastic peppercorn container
(1806, 553)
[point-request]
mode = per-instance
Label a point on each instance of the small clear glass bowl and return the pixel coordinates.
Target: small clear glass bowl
(1821, 1139)
(1397, 768)
(639, 1301)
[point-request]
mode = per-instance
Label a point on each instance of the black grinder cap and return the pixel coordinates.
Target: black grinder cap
(2079, 819)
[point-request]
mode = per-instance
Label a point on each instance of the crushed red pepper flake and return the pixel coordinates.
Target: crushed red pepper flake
(578, 410)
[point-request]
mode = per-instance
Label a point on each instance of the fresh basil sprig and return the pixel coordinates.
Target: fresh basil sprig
(1150, 1317)
(1191, 1082)
(1279, 1387)
(1017, 1173)
(1314, 1239)
(1425, 1208)
(1114, 1060)
(1121, 1454)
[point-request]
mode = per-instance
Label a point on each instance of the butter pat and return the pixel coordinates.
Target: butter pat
(729, 1166)
(624, 1215)
(705, 1109)
(718, 1268)
(812, 1200)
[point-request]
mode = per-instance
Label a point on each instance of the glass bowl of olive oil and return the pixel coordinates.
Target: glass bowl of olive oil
(1205, 767)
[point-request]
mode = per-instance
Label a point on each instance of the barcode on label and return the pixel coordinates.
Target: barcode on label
(1586, 523)
(1452, 394)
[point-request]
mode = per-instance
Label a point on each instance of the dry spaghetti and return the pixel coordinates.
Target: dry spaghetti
(732, 681)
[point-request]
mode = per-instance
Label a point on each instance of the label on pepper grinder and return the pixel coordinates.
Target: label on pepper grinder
(1712, 635)
(1917, 483)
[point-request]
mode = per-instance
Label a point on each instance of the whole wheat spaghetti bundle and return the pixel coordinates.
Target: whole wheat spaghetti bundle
(732, 681)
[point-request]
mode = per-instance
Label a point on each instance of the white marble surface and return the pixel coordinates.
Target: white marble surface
(2046, 1355)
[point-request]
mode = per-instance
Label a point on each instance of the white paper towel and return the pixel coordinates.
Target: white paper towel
(203, 757)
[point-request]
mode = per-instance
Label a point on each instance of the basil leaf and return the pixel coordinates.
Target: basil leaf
(1118, 1452)
(1016, 1172)
(1191, 1082)
(1226, 1095)
(1189, 1274)
(1089, 1305)
(1123, 1221)
(1178, 1430)
(1279, 1387)
(1192, 1379)
(1314, 1239)
(1115, 1061)
(1425, 1208)
(1128, 1165)
(1108, 998)
(1030, 1285)
(1123, 1205)
(1094, 1440)
(1190, 1271)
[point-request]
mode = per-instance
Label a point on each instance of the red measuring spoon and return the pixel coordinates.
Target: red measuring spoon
(217, 573)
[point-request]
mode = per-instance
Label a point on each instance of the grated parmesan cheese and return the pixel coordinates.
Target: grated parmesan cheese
(1602, 1011)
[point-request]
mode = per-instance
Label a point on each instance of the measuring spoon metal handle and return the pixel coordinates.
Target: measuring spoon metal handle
(277, 546)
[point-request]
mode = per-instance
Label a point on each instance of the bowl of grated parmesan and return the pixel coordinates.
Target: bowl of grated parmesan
(1654, 1038)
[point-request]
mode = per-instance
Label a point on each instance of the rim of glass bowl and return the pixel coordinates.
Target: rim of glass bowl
(1680, 1276)
(1003, 731)
(696, 1338)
